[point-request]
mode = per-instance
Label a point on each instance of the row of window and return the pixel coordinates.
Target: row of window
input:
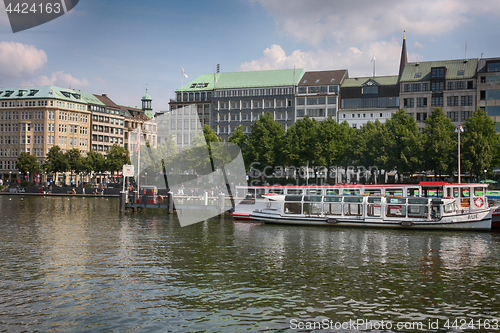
(105, 138)
(317, 100)
(13, 104)
(318, 89)
(254, 104)
(438, 85)
(8, 165)
(254, 92)
(106, 119)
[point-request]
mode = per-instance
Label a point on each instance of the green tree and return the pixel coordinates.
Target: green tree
(116, 158)
(439, 143)
(265, 143)
(76, 161)
(27, 163)
(95, 162)
(56, 161)
(406, 143)
(479, 143)
(238, 137)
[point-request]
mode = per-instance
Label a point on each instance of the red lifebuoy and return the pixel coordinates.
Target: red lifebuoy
(479, 202)
(159, 199)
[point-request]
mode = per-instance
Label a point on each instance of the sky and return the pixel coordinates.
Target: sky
(120, 48)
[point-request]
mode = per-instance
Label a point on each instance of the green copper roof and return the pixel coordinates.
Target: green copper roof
(380, 80)
(44, 92)
(271, 78)
(455, 70)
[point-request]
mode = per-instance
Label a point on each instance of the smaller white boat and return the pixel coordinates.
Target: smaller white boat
(377, 211)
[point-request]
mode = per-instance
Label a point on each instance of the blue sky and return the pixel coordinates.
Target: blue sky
(119, 47)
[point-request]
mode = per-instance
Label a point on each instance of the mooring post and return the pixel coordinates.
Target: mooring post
(221, 202)
(123, 200)
(170, 200)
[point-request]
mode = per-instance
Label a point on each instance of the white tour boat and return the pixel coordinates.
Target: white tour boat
(377, 211)
(255, 195)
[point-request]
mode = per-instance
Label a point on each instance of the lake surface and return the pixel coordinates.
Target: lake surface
(78, 265)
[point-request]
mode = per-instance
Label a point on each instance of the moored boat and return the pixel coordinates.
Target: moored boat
(377, 211)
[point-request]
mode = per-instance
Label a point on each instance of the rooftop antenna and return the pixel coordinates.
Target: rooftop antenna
(465, 50)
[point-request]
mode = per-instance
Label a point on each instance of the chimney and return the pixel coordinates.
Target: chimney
(104, 95)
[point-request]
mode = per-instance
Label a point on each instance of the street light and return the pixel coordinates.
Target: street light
(459, 130)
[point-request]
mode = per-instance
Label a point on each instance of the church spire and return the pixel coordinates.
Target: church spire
(404, 55)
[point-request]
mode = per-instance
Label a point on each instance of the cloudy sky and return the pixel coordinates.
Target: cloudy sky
(119, 47)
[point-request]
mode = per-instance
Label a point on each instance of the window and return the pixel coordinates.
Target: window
(467, 100)
(493, 67)
(452, 100)
(453, 116)
(409, 102)
(438, 72)
(421, 102)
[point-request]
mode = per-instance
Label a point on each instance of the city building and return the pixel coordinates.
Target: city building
(365, 99)
(107, 124)
(488, 87)
(317, 94)
(240, 98)
(450, 85)
(34, 119)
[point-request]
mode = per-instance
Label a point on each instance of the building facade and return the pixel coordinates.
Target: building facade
(317, 94)
(488, 87)
(365, 99)
(34, 119)
(450, 85)
(241, 98)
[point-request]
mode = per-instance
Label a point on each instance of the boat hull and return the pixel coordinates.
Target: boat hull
(479, 221)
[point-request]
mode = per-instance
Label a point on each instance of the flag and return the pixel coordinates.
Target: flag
(215, 78)
(373, 59)
(138, 147)
(184, 73)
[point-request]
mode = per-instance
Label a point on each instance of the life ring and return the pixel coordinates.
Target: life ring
(159, 199)
(479, 202)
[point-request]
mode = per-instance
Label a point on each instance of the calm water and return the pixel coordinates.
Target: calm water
(76, 264)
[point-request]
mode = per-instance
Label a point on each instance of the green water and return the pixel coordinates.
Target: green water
(77, 265)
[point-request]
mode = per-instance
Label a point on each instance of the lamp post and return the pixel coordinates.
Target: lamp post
(459, 130)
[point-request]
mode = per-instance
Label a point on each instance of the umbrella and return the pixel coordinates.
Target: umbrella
(490, 181)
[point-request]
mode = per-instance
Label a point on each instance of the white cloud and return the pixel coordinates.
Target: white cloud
(352, 22)
(60, 79)
(356, 59)
(20, 60)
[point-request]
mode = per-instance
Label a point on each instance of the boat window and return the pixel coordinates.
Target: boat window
(417, 201)
(396, 210)
(449, 208)
(351, 191)
(420, 211)
(294, 191)
(332, 191)
(478, 191)
(259, 193)
(276, 190)
(313, 192)
(413, 192)
(353, 199)
(373, 191)
(313, 198)
(394, 191)
(396, 200)
(353, 209)
(293, 208)
(313, 208)
(374, 200)
(333, 208)
(293, 198)
(374, 209)
(332, 199)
